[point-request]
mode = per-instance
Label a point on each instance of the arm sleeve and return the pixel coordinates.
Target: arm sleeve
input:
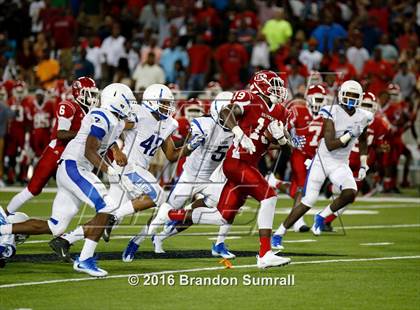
(196, 128)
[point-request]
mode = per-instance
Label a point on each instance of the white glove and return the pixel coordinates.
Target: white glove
(196, 141)
(363, 168)
(298, 142)
(276, 129)
(243, 140)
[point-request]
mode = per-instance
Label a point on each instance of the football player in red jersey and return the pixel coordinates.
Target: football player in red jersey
(69, 115)
(307, 123)
(398, 114)
(41, 111)
(15, 138)
(249, 115)
(378, 146)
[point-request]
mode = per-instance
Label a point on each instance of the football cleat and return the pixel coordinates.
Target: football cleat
(61, 247)
(271, 260)
(276, 242)
(300, 226)
(318, 225)
(328, 227)
(130, 251)
(157, 242)
(108, 228)
(220, 250)
(90, 267)
(160, 219)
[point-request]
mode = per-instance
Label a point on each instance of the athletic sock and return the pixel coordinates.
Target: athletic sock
(281, 230)
(75, 235)
(141, 236)
(326, 212)
(126, 209)
(223, 231)
(88, 249)
(177, 215)
(265, 245)
(330, 218)
(18, 200)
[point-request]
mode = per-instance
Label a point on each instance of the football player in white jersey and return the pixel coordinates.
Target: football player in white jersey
(78, 185)
(194, 181)
(139, 190)
(344, 124)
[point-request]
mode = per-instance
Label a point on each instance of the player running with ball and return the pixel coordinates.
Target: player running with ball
(344, 124)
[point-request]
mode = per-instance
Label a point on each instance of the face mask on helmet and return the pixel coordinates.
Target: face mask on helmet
(350, 99)
(193, 111)
(89, 97)
(316, 102)
(277, 92)
(166, 108)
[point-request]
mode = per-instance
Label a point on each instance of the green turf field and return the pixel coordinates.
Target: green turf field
(376, 264)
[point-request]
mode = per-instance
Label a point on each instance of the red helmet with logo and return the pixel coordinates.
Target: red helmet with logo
(369, 102)
(316, 97)
(192, 108)
(85, 92)
(20, 90)
(269, 84)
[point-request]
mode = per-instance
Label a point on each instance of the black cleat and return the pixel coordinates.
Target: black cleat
(304, 228)
(108, 228)
(328, 227)
(61, 247)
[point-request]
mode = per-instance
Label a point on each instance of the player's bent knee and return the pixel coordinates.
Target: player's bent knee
(57, 227)
(110, 205)
(348, 195)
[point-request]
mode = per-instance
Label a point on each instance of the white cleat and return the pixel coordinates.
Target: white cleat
(271, 260)
(90, 267)
(160, 219)
(158, 244)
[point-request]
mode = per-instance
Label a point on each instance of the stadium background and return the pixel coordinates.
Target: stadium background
(47, 44)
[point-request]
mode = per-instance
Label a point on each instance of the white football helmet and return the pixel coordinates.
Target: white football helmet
(350, 94)
(118, 98)
(221, 100)
(159, 98)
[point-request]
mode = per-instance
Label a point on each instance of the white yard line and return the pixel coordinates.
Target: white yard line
(330, 261)
(377, 243)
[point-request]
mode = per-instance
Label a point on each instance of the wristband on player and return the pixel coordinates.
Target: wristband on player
(363, 161)
(282, 140)
(345, 138)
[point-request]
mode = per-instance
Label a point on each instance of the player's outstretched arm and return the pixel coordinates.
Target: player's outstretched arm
(119, 157)
(331, 141)
(172, 152)
(66, 134)
(363, 148)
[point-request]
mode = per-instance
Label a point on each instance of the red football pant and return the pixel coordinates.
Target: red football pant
(44, 170)
(243, 180)
(297, 161)
(39, 141)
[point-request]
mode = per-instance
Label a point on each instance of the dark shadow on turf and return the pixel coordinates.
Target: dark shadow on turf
(152, 255)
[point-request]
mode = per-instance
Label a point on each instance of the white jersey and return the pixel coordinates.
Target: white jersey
(343, 122)
(148, 134)
(100, 123)
(204, 160)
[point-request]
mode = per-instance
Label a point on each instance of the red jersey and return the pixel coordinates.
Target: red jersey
(22, 114)
(42, 115)
(398, 114)
(180, 135)
(307, 125)
(256, 117)
(69, 116)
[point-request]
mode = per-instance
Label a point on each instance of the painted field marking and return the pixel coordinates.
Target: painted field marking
(231, 237)
(330, 261)
(377, 243)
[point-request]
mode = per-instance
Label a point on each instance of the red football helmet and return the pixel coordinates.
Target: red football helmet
(316, 97)
(192, 108)
(85, 92)
(20, 90)
(394, 92)
(369, 102)
(269, 84)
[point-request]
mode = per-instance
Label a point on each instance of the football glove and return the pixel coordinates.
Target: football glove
(196, 141)
(243, 140)
(363, 167)
(298, 142)
(276, 129)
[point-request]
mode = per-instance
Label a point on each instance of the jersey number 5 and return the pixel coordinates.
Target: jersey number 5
(151, 145)
(220, 153)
